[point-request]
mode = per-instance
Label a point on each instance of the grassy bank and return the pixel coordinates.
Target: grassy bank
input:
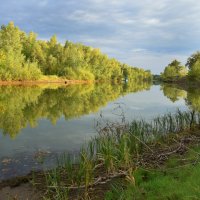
(131, 160)
(175, 179)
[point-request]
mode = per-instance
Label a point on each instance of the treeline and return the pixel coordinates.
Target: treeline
(175, 71)
(24, 57)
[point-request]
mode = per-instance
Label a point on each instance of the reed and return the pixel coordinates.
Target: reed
(114, 150)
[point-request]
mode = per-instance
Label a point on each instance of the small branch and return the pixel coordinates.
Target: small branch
(169, 153)
(98, 181)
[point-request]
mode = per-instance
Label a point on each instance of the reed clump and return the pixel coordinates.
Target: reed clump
(112, 154)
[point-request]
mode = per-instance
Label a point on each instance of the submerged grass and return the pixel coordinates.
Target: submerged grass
(115, 153)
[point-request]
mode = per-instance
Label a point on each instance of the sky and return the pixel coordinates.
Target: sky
(141, 33)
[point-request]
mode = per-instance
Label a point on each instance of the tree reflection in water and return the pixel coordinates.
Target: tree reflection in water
(21, 106)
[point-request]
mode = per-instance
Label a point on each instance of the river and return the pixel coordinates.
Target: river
(39, 122)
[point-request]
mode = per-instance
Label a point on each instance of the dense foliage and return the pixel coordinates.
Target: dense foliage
(24, 57)
(193, 63)
(13, 64)
(174, 71)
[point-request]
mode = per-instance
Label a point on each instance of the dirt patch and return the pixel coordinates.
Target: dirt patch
(21, 192)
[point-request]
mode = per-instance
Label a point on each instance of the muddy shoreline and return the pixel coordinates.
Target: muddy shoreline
(40, 82)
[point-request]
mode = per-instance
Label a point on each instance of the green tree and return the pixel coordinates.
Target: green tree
(194, 72)
(13, 66)
(193, 59)
(24, 56)
(174, 71)
(193, 63)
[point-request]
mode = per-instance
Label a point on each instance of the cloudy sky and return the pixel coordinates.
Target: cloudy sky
(144, 33)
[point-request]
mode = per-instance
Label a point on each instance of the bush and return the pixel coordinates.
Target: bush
(78, 74)
(28, 71)
(85, 75)
(31, 71)
(5, 75)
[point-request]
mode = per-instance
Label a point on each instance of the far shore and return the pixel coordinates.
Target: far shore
(38, 82)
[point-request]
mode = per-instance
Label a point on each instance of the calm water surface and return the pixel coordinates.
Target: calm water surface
(39, 122)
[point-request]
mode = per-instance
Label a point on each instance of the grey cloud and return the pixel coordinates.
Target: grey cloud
(146, 33)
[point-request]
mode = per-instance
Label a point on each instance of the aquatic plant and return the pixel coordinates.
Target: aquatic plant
(114, 152)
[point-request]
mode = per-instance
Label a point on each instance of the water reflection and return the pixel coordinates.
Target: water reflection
(193, 98)
(73, 109)
(191, 95)
(21, 106)
(173, 93)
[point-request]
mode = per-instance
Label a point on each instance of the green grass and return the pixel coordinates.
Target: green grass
(178, 179)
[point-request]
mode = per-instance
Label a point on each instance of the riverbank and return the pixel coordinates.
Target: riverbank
(169, 161)
(47, 80)
(118, 156)
(173, 175)
(184, 82)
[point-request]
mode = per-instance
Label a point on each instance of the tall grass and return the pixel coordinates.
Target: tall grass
(163, 125)
(113, 151)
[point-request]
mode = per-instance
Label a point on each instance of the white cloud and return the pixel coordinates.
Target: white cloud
(138, 50)
(85, 16)
(151, 21)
